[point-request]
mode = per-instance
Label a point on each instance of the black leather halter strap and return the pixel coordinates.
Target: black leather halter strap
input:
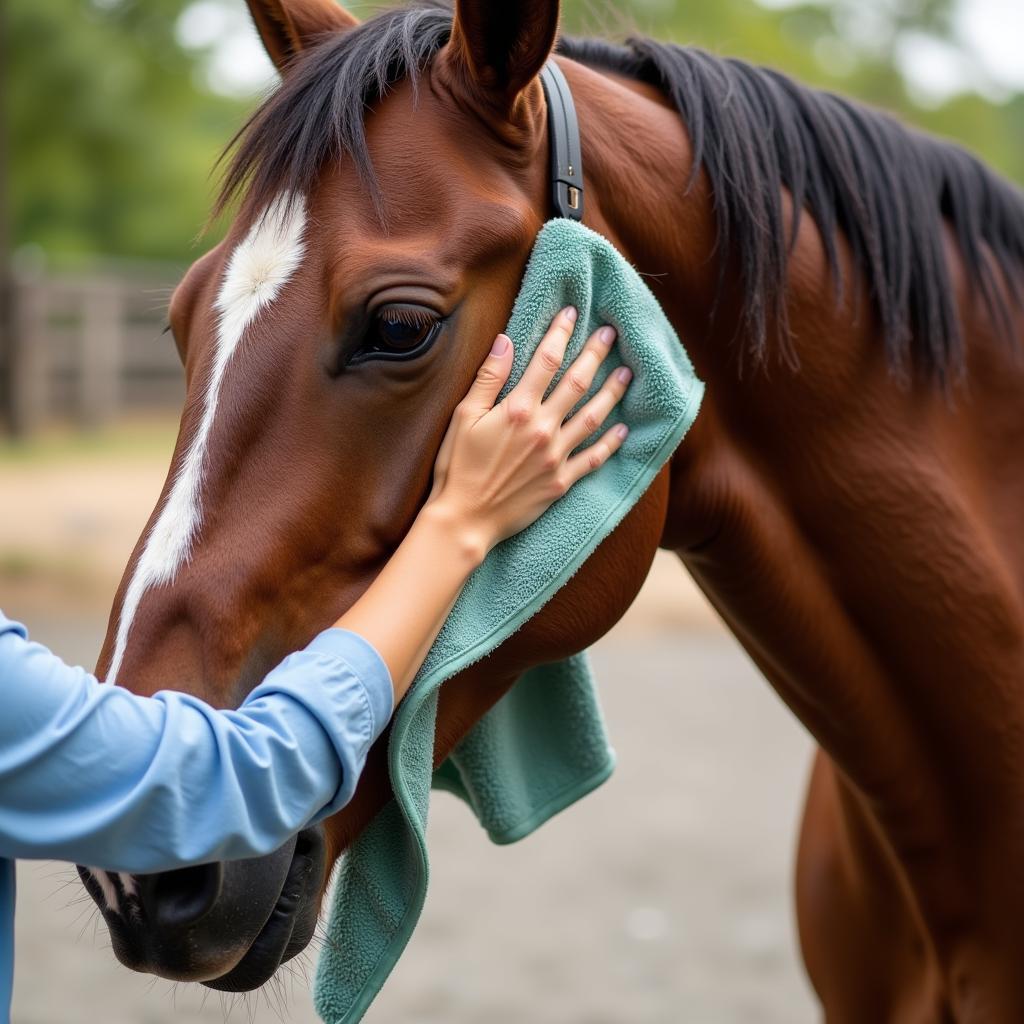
(564, 136)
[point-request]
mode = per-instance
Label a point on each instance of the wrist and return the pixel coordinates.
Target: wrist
(467, 541)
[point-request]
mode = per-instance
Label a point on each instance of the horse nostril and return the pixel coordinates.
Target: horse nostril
(177, 899)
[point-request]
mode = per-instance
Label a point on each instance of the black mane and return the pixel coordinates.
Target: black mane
(888, 189)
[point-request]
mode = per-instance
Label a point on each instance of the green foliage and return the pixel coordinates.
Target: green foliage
(113, 132)
(111, 138)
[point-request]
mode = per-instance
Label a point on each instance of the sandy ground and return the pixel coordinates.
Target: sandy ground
(665, 896)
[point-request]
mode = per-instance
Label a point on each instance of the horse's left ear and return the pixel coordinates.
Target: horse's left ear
(289, 26)
(499, 48)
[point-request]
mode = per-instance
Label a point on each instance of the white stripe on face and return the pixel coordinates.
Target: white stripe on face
(257, 271)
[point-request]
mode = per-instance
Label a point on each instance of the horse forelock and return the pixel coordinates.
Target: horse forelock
(258, 268)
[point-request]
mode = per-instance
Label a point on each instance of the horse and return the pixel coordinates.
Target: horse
(849, 499)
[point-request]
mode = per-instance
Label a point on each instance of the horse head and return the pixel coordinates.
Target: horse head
(326, 341)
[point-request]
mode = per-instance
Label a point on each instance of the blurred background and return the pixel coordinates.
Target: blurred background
(666, 896)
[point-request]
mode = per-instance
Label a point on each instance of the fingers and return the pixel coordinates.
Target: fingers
(576, 380)
(490, 378)
(547, 360)
(587, 419)
(595, 456)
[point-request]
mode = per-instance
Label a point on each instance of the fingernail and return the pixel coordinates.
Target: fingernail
(624, 374)
(570, 314)
(621, 430)
(501, 344)
(606, 335)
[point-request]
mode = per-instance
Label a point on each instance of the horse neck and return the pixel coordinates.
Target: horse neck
(735, 487)
(638, 161)
(813, 504)
(644, 193)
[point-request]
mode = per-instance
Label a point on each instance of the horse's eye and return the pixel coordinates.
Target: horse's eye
(399, 332)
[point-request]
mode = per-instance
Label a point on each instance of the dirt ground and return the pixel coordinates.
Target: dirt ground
(665, 896)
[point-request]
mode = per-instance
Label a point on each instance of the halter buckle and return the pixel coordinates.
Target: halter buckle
(564, 139)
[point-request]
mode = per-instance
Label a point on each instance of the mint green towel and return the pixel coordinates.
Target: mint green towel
(543, 745)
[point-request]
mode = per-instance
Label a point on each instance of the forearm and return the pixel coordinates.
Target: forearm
(98, 775)
(405, 607)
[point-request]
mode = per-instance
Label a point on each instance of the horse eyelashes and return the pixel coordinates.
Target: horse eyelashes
(399, 332)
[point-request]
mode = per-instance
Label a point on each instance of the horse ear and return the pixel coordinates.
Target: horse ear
(502, 46)
(289, 26)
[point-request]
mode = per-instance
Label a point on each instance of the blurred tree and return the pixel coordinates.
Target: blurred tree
(112, 137)
(114, 126)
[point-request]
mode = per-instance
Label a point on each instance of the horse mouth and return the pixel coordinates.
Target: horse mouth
(285, 934)
(231, 935)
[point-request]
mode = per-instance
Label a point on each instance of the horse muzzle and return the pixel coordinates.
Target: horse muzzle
(228, 925)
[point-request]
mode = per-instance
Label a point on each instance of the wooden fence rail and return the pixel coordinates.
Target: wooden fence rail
(86, 349)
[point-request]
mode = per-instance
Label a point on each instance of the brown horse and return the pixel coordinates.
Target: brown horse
(850, 498)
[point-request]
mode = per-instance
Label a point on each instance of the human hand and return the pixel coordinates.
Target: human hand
(501, 466)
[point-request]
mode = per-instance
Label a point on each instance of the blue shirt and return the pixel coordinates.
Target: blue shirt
(100, 776)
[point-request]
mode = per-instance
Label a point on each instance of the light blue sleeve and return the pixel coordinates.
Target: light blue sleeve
(97, 775)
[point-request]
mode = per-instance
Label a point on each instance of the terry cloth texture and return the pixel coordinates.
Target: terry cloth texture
(543, 745)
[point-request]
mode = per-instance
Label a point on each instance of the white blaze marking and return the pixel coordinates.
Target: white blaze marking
(257, 271)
